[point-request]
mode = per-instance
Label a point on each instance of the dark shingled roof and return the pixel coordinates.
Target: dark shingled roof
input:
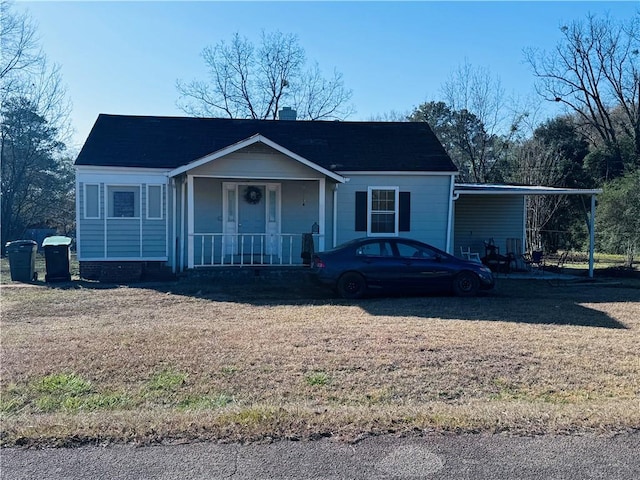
(170, 142)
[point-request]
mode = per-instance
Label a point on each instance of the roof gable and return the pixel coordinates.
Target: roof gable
(251, 141)
(174, 142)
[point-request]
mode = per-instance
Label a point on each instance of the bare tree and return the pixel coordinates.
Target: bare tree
(534, 163)
(484, 124)
(595, 71)
(391, 116)
(37, 178)
(249, 81)
(26, 73)
(18, 42)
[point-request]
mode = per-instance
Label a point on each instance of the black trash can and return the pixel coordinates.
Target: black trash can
(22, 260)
(57, 257)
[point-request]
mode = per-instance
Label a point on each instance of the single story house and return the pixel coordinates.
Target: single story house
(185, 193)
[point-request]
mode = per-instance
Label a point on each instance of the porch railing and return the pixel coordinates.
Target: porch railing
(223, 249)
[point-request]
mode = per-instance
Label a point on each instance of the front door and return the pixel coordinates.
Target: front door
(254, 231)
(251, 220)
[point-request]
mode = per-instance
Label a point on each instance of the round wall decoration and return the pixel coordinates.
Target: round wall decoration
(252, 195)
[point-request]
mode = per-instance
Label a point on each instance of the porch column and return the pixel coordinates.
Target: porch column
(592, 234)
(321, 212)
(190, 221)
(174, 224)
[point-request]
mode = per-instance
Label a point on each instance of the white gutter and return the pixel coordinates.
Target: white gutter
(335, 215)
(450, 215)
(489, 189)
(174, 231)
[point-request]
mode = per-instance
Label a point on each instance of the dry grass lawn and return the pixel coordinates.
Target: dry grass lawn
(90, 363)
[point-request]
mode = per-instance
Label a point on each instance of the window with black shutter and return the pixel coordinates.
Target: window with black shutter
(378, 209)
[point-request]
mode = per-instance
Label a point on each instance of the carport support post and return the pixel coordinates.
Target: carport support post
(592, 235)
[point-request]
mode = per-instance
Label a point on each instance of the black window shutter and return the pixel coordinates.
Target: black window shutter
(404, 216)
(361, 211)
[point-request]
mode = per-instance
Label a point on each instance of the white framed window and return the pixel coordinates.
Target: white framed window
(123, 201)
(272, 203)
(154, 202)
(382, 210)
(91, 200)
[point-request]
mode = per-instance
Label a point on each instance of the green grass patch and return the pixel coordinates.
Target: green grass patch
(167, 381)
(60, 392)
(63, 384)
(315, 379)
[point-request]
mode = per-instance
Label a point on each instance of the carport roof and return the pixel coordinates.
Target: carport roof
(494, 189)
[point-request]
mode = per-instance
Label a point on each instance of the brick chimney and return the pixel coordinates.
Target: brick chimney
(287, 113)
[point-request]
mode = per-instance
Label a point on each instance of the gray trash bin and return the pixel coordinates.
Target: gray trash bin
(22, 260)
(57, 258)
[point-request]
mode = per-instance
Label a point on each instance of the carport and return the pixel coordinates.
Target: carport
(499, 212)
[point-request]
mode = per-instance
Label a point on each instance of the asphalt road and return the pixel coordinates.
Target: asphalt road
(475, 457)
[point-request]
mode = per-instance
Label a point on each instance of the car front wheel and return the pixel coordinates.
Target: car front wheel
(466, 284)
(351, 285)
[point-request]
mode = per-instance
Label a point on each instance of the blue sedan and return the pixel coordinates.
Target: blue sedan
(386, 265)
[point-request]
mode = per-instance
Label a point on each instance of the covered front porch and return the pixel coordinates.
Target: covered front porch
(253, 203)
(254, 222)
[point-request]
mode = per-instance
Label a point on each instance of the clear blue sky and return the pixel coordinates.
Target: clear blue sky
(125, 57)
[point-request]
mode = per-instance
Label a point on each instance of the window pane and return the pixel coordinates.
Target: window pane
(92, 201)
(231, 205)
(376, 249)
(383, 200)
(124, 202)
(272, 205)
(383, 222)
(415, 251)
(154, 201)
